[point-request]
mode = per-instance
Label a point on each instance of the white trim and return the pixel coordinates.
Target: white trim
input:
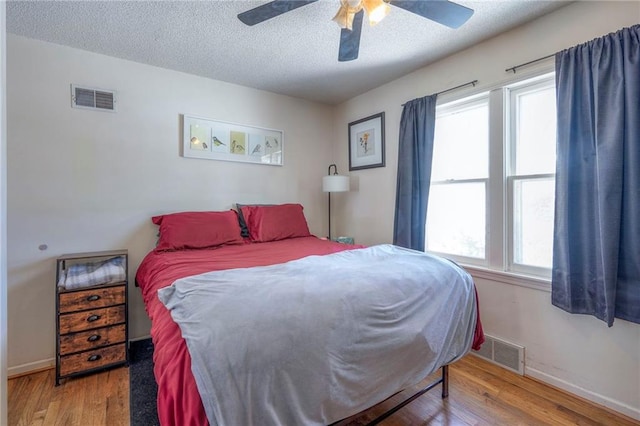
(462, 104)
(29, 367)
(539, 70)
(512, 93)
(595, 397)
(536, 79)
(496, 192)
(4, 345)
(536, 283)
(34, 366)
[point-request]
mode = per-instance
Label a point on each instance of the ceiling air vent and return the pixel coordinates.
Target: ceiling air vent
(97, 99)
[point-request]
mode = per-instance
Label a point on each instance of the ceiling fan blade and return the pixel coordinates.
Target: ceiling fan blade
(271, 10)
(443, 12)
(350, 39)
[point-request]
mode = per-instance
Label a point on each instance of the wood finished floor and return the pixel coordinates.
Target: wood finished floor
(480, 393)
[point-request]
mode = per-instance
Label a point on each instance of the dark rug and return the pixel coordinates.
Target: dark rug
(142, 384)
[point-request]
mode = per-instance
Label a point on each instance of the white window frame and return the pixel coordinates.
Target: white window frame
(498, 263)
(511, 94)
(459, 105)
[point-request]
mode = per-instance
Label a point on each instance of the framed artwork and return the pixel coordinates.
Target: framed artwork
(366, 142)
(219, 140)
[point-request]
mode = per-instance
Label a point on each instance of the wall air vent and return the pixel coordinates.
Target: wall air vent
(90, 98)
(502, 353)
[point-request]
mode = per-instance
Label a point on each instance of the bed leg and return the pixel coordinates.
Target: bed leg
(445, 381)
(445, 393)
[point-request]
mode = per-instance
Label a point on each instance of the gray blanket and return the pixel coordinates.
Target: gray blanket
(315, 340)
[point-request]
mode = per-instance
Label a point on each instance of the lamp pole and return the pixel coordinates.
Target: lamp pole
(334, 183)
(335, 172)
(329, 195)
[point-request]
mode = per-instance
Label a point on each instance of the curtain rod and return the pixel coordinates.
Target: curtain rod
(472, 83)
(514, 68)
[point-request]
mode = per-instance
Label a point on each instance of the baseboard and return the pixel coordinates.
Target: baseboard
(612, 404)
(45, 364)
(30, 368)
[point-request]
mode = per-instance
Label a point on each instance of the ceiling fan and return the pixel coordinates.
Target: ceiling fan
(351, 14)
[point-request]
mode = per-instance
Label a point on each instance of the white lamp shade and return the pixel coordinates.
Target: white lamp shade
(335, 183)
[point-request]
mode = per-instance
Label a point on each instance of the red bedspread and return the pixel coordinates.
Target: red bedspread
(178, 398)
(179, 401)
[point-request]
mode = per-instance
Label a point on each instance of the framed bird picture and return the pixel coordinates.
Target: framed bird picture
(219, 140)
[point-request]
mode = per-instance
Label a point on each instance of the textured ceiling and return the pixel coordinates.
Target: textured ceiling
(293, 54)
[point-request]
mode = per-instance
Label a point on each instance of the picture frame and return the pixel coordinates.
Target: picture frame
(220, 140)
(366, 142)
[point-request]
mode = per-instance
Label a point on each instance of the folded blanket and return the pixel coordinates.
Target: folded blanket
(81, 275)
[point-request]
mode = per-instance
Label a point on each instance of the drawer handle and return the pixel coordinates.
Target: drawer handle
(93, 318)
(93, 298)
(94, 338)
(94, 358)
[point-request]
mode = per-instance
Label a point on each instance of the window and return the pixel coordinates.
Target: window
(492, 189)
(531, 144)
(456, 213)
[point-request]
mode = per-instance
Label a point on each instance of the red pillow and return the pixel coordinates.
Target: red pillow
(194, 230)
(272, 223)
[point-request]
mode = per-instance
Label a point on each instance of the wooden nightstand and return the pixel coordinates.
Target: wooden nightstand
(92, 321)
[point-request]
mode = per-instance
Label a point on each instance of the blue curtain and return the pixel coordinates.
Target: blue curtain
(415, 152)
(596, 255)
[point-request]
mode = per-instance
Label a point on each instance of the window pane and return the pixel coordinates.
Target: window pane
(533, 222)
(536, 131)
(461, 147)
(456, 219)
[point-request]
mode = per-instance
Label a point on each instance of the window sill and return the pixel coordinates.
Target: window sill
(528, 281)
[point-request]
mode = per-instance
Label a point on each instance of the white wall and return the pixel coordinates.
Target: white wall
(81, 180)
(84, 180)
(3, 219)
(577, 353)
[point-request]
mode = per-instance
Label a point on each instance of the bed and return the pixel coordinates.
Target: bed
(205, 298)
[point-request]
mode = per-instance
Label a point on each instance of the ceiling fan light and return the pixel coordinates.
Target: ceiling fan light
(376, 10)
(346, 14)
(342, 17)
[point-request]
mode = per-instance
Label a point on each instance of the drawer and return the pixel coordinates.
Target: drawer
(95, 318)
(89, 360)
(76, 342)
(91, 298)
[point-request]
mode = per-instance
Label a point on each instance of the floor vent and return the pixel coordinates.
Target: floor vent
(502, 353)
(96, 99)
